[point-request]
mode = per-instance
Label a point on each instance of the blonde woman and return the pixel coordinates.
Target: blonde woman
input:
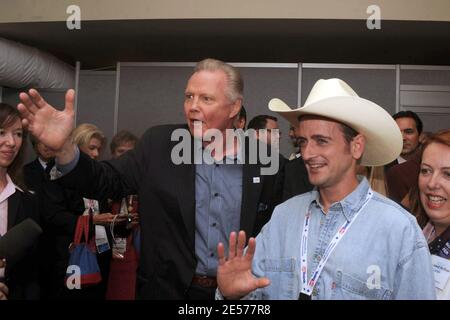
(376, 178)
(89, 139)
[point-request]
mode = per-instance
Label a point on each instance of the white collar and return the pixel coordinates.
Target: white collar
(9, 189)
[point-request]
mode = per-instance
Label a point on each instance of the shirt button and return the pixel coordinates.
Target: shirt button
(214, 224)
(216, 194)
(211, 254)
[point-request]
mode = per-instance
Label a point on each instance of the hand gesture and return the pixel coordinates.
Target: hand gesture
(234, 274)
(48, 125)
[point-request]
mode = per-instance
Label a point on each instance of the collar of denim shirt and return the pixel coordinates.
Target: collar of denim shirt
(350, 204)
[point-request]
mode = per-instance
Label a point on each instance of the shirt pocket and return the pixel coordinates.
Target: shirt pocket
(283, 277)
(351, 287)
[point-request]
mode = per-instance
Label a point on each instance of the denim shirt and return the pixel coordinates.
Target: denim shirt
(383, 255)
(218, 198)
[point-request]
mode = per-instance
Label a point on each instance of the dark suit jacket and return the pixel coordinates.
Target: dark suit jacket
(59, 210)
(34, 175)
(167, 207)
(296, 179)
(402, 177)
(21, 278)
(390, 165)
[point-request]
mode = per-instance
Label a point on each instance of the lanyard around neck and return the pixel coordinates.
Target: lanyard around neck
(307, 286)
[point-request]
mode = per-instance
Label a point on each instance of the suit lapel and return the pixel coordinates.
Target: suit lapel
(252, 183)
(185, 180)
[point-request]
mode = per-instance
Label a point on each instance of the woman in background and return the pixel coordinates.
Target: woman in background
(376, 178)
(90, 140)
(430, 202)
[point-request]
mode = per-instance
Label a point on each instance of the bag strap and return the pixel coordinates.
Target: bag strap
(78, 230)
(86, 227)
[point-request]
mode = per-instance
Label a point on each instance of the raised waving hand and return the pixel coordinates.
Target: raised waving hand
(234, 274)
(48, 125)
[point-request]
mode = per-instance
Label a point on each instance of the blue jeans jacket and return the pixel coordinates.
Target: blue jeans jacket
(383, 255)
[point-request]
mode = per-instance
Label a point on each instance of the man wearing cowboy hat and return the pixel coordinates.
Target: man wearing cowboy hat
(341, 240)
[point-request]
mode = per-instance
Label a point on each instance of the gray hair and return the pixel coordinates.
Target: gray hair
(235, 83)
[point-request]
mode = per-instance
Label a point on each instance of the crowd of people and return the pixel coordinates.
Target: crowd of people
(360, 185)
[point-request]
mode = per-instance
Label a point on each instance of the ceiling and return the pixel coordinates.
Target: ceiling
(103, 43)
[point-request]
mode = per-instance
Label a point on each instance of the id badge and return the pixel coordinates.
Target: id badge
(119, 248)
(101, 240)
(441, 269)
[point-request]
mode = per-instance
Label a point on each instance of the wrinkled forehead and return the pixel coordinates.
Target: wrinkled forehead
(437, 150)
(315, 126)
(207, 79)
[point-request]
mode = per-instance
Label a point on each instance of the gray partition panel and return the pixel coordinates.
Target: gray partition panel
(150, 95)
(433, 122)
(428, 95)
(263, 84)
(372, 84)
(96, 98)
(425, 77)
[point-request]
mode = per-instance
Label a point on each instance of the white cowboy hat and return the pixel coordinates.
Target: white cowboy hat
(334, 99)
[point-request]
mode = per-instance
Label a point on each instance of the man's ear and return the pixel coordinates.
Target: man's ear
(357, 146)
(236, 108)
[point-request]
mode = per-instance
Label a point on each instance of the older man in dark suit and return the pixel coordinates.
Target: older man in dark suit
(186, 208)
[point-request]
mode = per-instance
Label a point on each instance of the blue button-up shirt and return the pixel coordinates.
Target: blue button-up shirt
(383, 255)
(218, 198)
